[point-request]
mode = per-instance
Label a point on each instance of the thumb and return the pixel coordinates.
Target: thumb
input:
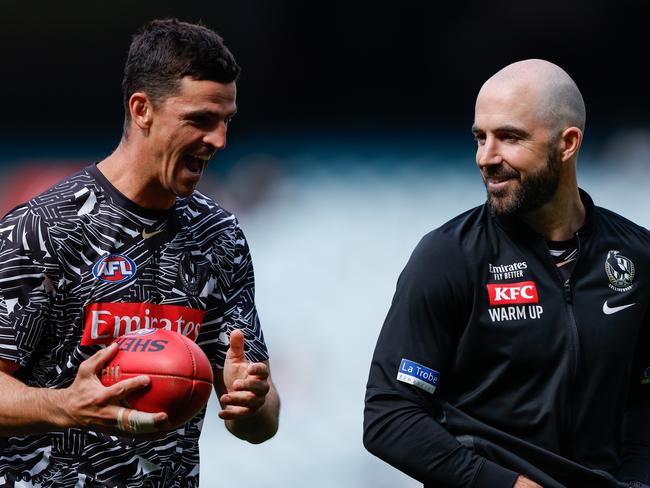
(94, 363)
(236, 350)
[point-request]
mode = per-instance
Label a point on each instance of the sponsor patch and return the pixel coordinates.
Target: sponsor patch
(105, 322)
(417, 375)
(512, 293)
(131, 343)
(114, 268)
(507, 271)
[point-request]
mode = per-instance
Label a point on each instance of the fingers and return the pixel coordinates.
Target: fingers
(123, 388)
(91, 404)
(233, 413)
(253, 384)
(94, 363)
(236, 349)
(246, 399)
(136, 422)
(260, 370)
(248, 393)
(248, 396)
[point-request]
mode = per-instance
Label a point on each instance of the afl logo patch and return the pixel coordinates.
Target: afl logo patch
(114, 268)
(620, 271)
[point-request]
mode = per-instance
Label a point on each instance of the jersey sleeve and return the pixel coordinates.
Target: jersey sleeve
(25, 286)
(636, 426)
(411, 367)
(237, 309)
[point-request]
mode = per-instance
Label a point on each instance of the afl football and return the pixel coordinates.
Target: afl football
(179, 371)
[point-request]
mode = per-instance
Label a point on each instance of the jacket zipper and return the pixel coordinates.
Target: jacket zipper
(567, 293)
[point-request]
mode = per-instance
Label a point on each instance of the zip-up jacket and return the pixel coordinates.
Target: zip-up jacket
(489, 365)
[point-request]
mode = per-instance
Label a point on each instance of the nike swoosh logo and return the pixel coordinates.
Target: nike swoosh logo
(147, 235)
(610, 310)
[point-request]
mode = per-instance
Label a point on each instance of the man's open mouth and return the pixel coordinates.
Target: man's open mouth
(196, 164)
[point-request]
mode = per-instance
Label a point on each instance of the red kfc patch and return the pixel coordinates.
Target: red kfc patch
(513, 293)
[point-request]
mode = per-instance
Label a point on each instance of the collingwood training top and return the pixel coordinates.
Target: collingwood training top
(81, 265)
(493, 363)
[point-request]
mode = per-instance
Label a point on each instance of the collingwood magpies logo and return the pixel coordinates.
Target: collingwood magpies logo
(191, 274)
(620, 271)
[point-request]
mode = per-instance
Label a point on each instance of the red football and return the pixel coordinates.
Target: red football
(179, 370)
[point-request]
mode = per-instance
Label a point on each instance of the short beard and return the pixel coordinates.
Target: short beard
(537, 190)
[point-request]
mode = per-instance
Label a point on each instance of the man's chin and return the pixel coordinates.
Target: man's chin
(502, 205)
(184, 191)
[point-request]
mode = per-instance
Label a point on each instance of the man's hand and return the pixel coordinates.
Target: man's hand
(246, 383)
(250, 403)
(89, 404)
(523, 482)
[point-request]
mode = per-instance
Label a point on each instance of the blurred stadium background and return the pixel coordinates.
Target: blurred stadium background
(352, 141)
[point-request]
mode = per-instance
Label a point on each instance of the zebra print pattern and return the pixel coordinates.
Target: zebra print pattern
(193, 255)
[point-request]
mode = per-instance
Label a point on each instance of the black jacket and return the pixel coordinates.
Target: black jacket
(533, 378)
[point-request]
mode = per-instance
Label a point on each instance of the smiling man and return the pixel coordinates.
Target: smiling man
(516, 351)
(121, 244)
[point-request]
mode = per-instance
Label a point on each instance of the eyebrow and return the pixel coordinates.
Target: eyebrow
(510, 129)
(205, 113)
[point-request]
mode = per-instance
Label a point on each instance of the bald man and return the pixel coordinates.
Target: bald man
(516, 351)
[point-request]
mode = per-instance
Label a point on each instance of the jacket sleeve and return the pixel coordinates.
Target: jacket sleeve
(636, 426)
(417, 342)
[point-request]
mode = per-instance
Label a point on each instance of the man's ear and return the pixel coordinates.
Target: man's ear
(141, 110)
(570, 143)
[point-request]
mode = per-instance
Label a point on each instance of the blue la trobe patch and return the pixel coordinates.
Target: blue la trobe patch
(417, 375)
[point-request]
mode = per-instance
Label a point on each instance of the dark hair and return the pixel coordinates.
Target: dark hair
(166, 50)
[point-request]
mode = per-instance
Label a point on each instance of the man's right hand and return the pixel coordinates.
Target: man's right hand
(89, 404)
(523, 482)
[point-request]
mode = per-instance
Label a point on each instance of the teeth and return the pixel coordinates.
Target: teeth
(202, 158)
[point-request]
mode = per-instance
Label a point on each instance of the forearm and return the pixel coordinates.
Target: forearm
(406, 436)
(260, 426)
(86, 403)
(25, 410)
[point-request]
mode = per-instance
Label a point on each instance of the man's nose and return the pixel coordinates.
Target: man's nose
(217, 136)
(488, 153)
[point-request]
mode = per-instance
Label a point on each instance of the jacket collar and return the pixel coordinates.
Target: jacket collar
(514, 225)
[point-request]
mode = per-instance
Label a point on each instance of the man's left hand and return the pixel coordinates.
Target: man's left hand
(246, 383)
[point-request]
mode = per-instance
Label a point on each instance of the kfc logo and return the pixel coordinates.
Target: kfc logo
(105, 322)
(513, 293)
(114, 268)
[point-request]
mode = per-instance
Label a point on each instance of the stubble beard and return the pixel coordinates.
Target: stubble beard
(531, 194)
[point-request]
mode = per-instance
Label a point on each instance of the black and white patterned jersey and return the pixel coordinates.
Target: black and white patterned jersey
(81, 265)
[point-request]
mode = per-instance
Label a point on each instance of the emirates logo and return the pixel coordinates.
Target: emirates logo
(105, 322)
